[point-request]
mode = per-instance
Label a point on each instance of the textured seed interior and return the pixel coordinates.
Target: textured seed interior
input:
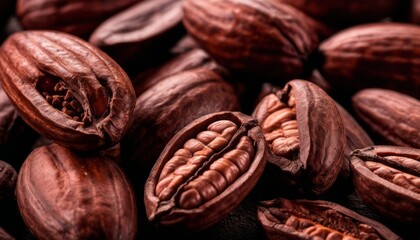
(330, 225)
(315, 230)
(61, 98)
(216, 176)
(280, 126)
(405, 180)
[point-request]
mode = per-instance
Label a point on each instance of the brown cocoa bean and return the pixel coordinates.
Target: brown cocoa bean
(305, 133)
(306, 219)
(387, 180)
(382, 55)
(77, 17)
(394, 116)
(205, 171)
(62, 194)
(66, 89)
(273, 40)
(140, 32)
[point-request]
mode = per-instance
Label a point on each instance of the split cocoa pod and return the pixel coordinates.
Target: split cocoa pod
(316, 219)
(387, 179)
(205, 171)
(305, 134)
(66, 89)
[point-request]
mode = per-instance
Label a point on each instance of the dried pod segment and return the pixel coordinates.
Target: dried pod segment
(255, 36)
(387, 180)
(392, 115)
(193, 59)
(205, 171)
(65, 195)
(66, 89)
(306, 219)
(167, 107)
(141, 31)
(356, 138)
(8, 177)
(384, 55)
(77, 17)
(304, 130)
(346, 13)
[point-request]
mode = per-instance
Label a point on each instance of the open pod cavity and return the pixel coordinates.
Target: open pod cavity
(205, 171)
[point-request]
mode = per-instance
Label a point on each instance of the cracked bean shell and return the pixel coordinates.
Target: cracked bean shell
(305, 134)
(316, 219)
(387, 179)
(66, 89)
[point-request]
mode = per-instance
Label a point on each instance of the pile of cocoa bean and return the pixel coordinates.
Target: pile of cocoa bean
(209, 119)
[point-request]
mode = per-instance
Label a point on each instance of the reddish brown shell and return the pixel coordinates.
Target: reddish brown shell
(383, 55)
(140, 32)
(77, 17)
(193, 192)
(386, 179)
(65, 195)
(392, 115)
(252, 36)
(312, 150)
(66, 89)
